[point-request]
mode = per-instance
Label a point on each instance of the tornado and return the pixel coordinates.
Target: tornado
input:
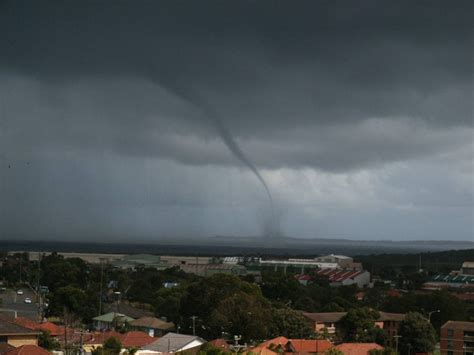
(192, 97)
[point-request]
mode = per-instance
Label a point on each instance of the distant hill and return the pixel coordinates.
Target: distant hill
(243, 246)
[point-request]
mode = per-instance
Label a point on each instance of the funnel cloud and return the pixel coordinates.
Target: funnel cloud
(194, 98)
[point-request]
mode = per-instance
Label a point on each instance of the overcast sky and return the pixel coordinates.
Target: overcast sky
(357, 114)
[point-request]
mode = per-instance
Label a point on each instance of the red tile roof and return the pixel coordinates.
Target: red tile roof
(310, 346)
(275, 341)
(357, 348)
(261, 350)
(136, 339)
(335, 275)
(219, 343)
(54, 329)
(133, 339)
(28, 350)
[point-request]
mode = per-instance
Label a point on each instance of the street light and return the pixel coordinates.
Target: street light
(194, 324)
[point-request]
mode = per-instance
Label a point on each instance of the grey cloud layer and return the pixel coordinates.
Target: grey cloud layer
(339, 88)
(266, 67)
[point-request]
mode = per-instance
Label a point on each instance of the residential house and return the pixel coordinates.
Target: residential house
(28, 350)
(457, 338)
(152, 326)
(174, 343)
(327, 322)
(284, 345)
(390, 323)
(220, 344)
(261, 350)
(307, 346)
(53, 329)
(129, 340)
(357, 348)
(129, 309)
(109, 320)
(17, 335)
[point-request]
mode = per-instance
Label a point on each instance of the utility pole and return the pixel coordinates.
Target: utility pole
(38, 291)
(194, 324)
(101, 282)
(236, 347)
(396, 343)
(21, 259)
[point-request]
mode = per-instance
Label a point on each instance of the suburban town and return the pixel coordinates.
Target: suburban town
(85, 303)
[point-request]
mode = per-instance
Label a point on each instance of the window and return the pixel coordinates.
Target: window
(450, 332)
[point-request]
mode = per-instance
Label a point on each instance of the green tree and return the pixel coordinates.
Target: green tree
(386, 351)
(57, 272)
(417, 334)
(288, 323)
(209, 349)
(112, 346)
(242, 313)
(167, 303)
(45, 340)
(202, 297)
(75, 300)
(358, 325)
(333, 351)
(279, 286)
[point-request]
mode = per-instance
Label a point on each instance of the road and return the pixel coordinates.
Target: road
(12, 301)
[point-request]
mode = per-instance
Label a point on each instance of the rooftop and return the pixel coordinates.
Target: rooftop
(52, 328)
(338, 275)
(357, 348)
(153, 323)
(468, 265)
(458, 325)
(11, 328)
(172, 342)
(28, 350)
(462, 279)
(220, 343)
(132, 339)
(309, 346)
(109, 317)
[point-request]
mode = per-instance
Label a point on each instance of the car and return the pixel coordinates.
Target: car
(27, 300)
(19, 292)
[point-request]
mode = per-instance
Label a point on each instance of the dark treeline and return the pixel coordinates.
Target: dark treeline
(245, 247)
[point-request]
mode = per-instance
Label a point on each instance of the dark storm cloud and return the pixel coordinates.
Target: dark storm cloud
(333, 86)
(266, 66)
